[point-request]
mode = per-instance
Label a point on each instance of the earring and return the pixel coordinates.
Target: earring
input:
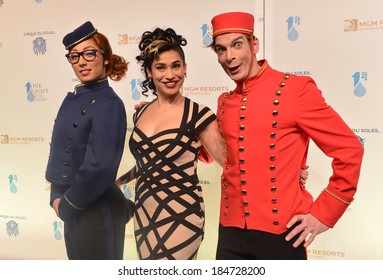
(186, 75)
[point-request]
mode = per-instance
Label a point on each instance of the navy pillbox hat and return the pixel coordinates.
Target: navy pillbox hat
(80, 34)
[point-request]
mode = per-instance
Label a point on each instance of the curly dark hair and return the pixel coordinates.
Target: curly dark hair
(152, 44)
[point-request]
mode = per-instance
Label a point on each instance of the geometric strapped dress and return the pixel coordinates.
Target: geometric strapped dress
(169, 213)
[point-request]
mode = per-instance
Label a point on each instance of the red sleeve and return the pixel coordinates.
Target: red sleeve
(204, 156)
(333, 136)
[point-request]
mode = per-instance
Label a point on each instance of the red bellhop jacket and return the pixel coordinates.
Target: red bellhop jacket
(267, 123)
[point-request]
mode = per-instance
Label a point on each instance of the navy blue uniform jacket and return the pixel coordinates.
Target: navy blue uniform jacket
(86, 147)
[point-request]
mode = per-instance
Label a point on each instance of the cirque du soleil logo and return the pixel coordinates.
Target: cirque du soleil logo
(39, 43)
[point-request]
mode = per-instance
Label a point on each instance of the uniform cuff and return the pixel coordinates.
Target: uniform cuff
(66, 210)
(328, 209)
(57, 191)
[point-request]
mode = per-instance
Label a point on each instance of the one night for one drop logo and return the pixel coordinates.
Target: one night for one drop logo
(292, 33)
(135, 85)
(359, 89)
(35, 92)
(12, 183)
(206, 35)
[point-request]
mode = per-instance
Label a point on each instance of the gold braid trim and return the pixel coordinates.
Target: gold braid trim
(337, 197)
(233, 30)
(78, 208)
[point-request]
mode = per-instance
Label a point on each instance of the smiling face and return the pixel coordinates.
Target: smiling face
(236, 55)
(89, 71)
(168, 73)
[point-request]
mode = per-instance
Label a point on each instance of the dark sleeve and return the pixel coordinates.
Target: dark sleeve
(204, 117)
(57, 191)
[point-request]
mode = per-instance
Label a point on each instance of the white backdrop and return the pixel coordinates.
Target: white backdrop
(338, 43)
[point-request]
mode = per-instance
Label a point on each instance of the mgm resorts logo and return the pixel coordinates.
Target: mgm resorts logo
(126, 39)
(8, 139)
(325, 254)
(354, 25)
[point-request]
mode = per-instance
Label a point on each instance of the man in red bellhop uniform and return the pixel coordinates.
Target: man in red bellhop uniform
(267, 122)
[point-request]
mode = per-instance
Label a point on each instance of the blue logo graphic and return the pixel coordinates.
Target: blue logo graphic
(38, 1)
(35, 92)
(362, 140)
(12, 183)
(12, 228)
(127, 192)
(57, 228)
(39, 46)
(30, 95)
(206, 35)
(136, 92)
(359, 89)
(292, 33)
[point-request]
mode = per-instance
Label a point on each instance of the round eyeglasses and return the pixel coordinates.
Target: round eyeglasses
(88, 55)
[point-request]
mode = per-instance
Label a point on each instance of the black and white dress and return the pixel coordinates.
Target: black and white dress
(169, 217)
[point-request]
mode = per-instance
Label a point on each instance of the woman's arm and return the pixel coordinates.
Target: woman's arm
(212, 140)
(127, 177)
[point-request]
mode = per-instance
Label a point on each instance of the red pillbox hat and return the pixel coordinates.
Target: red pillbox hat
(233, 22)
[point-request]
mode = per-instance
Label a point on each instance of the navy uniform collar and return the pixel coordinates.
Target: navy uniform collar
(84, 88)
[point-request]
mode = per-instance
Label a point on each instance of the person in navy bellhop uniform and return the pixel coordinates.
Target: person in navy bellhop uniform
(86, 148)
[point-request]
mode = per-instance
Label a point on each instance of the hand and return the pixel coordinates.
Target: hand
(304, 175)
(118, 183)
(136, 106)
(127, 177)
(55, 206)
(308, 229)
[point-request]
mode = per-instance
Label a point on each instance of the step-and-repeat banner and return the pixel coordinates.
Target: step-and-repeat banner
(338, 43)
